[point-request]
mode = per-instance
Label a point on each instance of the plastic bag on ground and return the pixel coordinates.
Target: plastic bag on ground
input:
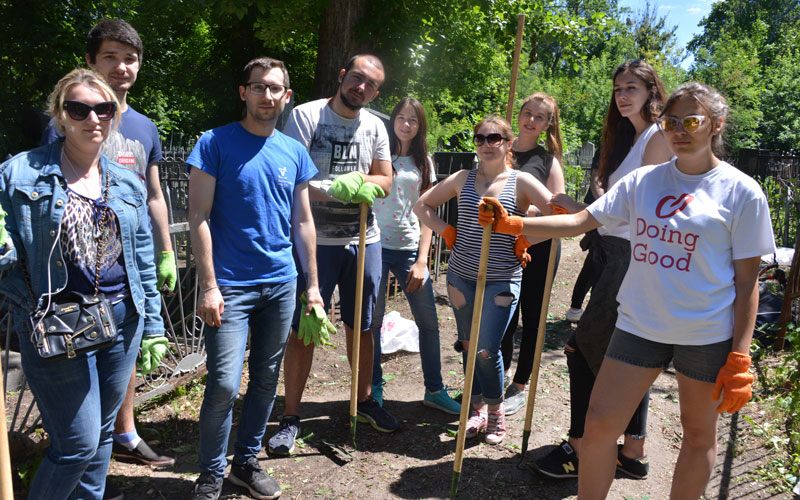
(398, 334)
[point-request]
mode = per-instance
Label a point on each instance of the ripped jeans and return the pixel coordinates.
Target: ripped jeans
(500, 301)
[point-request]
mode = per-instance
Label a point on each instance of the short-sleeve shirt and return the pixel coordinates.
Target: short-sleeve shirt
(686, 231)
(398, 224)
(250, 218)
(135, 144)
(337, 146)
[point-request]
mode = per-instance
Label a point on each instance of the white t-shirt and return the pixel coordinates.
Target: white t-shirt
(686, 231)
(396, 220)
(337, 146)
(632, 161)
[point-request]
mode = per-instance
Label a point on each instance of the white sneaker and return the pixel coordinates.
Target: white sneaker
(574, 315)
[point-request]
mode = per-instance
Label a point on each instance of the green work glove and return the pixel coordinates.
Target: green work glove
(346, 186)
(367, 193)
(167, 271)
(315, 328)
(4, 239)
(151, 352)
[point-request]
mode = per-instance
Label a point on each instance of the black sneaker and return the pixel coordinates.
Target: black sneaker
(371, 412)
(250, 475)
(282, 443)
(207, 487)
(560, 463)
(142, 454)
(636, 468)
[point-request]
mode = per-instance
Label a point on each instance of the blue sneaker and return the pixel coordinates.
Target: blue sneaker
(371, 412)
(377, 392)
(441, 400)
(282, 443)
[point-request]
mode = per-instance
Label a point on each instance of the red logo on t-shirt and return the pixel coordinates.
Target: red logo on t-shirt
(126, 159)
(672, 203)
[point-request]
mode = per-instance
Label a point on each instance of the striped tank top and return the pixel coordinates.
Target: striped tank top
(503, 264)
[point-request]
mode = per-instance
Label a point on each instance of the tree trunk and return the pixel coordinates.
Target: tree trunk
(337, 42)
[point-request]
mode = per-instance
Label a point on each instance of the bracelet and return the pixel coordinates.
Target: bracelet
(204, 290)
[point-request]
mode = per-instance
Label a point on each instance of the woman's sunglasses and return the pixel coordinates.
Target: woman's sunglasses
(688, 123)
(493, 140)
(79, 111)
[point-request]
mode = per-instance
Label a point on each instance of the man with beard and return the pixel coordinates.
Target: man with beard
(350, 147)
(248, 204)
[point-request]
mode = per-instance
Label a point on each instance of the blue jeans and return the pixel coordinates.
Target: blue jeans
(266, 310)
(500, 300)
(423, 307)
(79, 399)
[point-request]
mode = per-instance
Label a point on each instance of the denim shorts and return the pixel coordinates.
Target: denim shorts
(698, 362)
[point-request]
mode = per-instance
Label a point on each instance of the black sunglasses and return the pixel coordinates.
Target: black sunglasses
(491, 139)
(79, 111)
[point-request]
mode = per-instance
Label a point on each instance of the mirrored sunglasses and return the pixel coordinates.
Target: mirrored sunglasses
(689, 123)
(79, 111)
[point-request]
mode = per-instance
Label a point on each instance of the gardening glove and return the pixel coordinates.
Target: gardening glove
(167, 272)
(491, 211)
(314, 328)
(4, 239)
(346, 186)
(521, 245)
(367, 193)
(449, 236)
(151, 352)
(734, 383)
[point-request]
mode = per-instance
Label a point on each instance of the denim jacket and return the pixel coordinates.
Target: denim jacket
(33, 195)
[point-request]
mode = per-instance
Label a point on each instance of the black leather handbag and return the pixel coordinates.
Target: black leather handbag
(75, 322)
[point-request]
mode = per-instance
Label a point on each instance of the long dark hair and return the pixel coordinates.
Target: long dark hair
(418, 150)
(618, 132)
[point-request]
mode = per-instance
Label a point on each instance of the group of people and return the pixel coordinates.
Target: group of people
(274, 223)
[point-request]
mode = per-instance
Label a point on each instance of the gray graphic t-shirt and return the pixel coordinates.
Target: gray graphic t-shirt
(338, 146)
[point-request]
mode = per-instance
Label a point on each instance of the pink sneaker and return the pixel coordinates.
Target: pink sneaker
(476, 423)
(496, 427)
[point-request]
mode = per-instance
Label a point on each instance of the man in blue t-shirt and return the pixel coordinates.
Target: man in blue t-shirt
(114, 50)
(248, 202)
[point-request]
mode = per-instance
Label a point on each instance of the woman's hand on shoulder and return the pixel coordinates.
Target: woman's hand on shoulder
(562, 202)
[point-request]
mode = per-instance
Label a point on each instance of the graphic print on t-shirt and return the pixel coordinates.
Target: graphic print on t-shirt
(667, 232)
(129, 153)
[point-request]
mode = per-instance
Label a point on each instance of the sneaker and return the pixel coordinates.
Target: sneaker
(507, 378)
(476, 423)
(574, 314)
(560, 463)
(636, 468)
(282, 443)
(250, 475)
(112, 493)
(207, 487)
(514, 399)
(371, 412)
(441, 400)
(496, 426)
(142, 454)
(377, 392)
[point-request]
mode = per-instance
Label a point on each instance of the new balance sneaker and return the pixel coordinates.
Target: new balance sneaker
(282, 443)
(377, 392)
(574, 315)
(514, 399)
(371, 412)
(496, 426)
(560, 463)
(142, 453)
(636, 468)
(441, 400)
(476, 423)
(207, 487)
(250, 475)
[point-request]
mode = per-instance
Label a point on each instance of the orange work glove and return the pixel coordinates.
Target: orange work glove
(734, 383)
(521, 245)
(449, 236)
(491, 211)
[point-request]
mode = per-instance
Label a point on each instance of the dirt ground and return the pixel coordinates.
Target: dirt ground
(417, 461)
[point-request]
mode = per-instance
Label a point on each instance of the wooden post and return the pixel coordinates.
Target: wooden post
(354, 357)
(515, 67)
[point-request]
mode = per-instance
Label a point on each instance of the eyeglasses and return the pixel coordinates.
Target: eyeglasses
(689, 123)
(259, 88)
(492, 140)
(78, 111)
(358, 79)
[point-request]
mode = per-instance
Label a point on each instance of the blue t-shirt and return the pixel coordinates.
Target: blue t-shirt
(251, 214)
(136, 145)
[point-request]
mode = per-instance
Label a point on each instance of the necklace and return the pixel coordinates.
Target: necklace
(487, 182)
(80, 181)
